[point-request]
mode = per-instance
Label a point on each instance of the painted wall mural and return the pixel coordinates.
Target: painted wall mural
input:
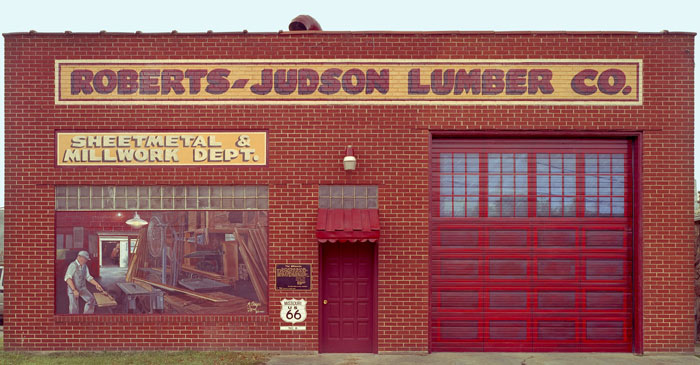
(177, 262)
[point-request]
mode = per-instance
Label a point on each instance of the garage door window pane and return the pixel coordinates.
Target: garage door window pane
(507, 179)
(445, 206)
(605, 185)
(459, 206)
(445, 185)
(556, 185)
(459, 184)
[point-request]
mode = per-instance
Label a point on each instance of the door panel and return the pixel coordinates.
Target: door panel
(531, 245)
(347, 319)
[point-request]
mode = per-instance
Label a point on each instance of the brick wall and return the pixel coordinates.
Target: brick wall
(305, 149)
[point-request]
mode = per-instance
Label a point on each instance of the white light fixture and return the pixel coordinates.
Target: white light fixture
(349, 161)
(136, 222)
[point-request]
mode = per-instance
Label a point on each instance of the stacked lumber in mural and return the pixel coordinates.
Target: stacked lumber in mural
(180, 290)
(206, 274)
(180, 300)
(138, 258)
(104, 300)
(253, 249)
(181, 303)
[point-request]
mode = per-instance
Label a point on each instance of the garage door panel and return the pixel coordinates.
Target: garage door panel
(462, 300)
(508, 330)
(557, 300)
(606, 330)
(508, 269)
(507, 238)
(605, 269)
(556, 330)
(605, 238)
(543, 261)
(608, 300)
(551, 238)
(459, 333)
(455, 238)
(456, 268)
(459, 330)
(556, 269)
(507, 299)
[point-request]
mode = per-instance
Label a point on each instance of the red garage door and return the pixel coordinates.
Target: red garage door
(531, 245)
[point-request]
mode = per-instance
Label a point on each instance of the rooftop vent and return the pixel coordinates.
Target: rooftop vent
(304, 22)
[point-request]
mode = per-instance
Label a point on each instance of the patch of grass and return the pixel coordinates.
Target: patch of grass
(135, 358)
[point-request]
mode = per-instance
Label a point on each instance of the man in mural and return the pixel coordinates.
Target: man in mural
(115, 255)
(76, 277)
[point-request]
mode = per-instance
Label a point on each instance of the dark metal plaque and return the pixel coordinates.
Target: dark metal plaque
(297, 277)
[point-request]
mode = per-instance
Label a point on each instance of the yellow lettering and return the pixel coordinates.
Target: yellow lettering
(109, 141)
(155, 155)
(187, 140)
(171, 155)
(77, 142)
(124, 141)
(213, 142)
(216, 154)
(94, 141)
(155, 141)
(139, 140)
(247, 153)
(125, 155)
(71, 156)
(200, 155)
(141, 155)
(107, 156)
(94, 157)
(199, 142)
(230, 154)
(171, 141)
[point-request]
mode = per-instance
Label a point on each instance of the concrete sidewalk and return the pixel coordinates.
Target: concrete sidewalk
(444, 358)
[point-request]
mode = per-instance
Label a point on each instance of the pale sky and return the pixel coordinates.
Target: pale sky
(357, 15)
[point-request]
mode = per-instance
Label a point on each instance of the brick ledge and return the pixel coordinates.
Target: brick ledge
(163, 318)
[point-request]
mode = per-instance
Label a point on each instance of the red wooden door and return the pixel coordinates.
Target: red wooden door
(347, 310)
(531, 245)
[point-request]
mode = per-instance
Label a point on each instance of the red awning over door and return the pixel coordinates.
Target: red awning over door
(347, 225)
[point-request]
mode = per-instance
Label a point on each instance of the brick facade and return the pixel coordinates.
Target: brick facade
(306, 144)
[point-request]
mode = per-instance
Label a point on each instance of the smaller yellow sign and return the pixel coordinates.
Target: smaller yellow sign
(190, 148)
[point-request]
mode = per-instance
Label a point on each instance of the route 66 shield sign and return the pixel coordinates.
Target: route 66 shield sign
(293, 310)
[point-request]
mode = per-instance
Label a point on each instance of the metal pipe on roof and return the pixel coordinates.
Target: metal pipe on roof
(304, 22)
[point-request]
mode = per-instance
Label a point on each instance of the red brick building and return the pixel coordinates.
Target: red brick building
(517, 191)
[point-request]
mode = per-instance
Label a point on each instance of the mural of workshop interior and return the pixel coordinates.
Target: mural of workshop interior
(165, 249)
